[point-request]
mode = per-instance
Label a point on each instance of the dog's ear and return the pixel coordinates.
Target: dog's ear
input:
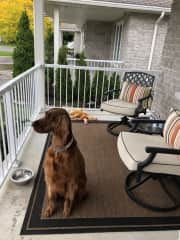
(63, 127)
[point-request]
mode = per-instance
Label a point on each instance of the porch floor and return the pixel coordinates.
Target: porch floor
(14, 200)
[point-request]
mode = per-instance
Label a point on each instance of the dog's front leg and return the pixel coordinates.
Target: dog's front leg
(51, 202)
(69, 198)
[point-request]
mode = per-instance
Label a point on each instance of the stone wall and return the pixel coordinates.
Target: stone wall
(137, 40)
(169, 84)
(97, 38)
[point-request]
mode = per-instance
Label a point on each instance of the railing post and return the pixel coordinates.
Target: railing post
(40, 88)
(56, 33)
(1, 168)
(10, 125)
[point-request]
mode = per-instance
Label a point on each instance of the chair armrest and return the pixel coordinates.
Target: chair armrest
(144, 98)
(153, 151)
(162, 150)
(143, 104)
(112, 91)
(146, 162)
(109, 93)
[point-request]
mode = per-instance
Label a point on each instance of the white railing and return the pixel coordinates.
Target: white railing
(20, 100)
(80, 86)
(18, 106)
(97, 63)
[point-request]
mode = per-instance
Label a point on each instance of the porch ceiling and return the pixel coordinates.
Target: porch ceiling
(79, 14)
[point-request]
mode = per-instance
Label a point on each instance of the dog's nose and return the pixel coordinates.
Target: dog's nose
(35, 124)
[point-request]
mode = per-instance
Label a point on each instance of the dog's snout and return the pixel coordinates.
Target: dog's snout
(35, 124)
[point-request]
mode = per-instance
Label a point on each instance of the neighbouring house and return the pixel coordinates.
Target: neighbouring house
(124, 30)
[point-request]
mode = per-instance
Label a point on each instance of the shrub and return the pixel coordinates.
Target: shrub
(49, 46)
(102, 83)
(23, 55)
(82, 80)
(97, 83)
(65, 76)
(49, 58)
(115, 83)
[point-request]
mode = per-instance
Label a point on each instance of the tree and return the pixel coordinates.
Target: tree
(23, 55)
(9, 17)
(82, 81)
(63, 78)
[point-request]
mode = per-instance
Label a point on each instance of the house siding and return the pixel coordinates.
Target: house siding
(97, 38)
(165, 90)
(137, 40)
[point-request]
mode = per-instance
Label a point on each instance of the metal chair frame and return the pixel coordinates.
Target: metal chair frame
(139, 78)
(139, 177)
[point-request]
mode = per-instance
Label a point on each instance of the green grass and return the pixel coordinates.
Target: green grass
(5, 54)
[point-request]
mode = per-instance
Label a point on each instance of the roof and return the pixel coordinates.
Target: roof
(153, 3)
(155, 6)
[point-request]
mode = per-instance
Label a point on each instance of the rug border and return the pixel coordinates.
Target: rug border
(129, 225)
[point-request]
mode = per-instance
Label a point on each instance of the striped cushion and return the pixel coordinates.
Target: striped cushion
(132, 92)
(172, 129)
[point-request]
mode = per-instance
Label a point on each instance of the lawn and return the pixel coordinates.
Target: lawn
(5, 54)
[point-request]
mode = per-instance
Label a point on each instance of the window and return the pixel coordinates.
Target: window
(117, 41)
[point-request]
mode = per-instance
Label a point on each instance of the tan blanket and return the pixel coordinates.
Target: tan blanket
(79, 114)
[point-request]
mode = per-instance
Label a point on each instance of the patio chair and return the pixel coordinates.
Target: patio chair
(154, 157)
(122, 106)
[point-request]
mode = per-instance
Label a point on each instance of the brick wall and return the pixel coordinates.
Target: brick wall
(97, 38)
(170, 64)
(137, 40)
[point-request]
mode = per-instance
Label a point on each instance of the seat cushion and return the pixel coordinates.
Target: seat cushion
(119, 107)
(131, 148)
(172, 129)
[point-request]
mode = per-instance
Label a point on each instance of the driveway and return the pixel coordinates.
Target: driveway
(5, 76)
(6, 60)
(5, 65)
(6, 48)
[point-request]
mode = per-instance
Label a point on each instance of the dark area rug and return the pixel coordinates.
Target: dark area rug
(107, 207)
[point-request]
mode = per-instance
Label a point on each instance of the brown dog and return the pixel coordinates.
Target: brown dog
(64, 165)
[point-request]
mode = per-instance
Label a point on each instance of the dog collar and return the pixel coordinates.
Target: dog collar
(64, 148)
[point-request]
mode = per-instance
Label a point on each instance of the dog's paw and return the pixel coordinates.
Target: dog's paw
(48, 212)
(66, 212)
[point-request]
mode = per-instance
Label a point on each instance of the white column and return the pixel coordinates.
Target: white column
(60, 38)
(82, 40)
(77, 42)
(38, 6)
(56, 34)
